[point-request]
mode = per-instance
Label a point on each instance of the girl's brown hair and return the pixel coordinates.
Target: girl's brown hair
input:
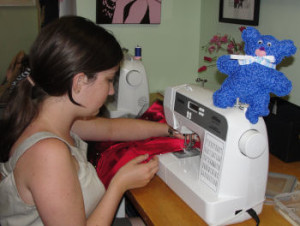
(64, 48)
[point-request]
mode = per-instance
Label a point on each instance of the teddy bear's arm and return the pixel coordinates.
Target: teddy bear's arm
(226, 65)
(280, 84)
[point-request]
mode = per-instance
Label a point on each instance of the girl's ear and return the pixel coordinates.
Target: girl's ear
(79, 80)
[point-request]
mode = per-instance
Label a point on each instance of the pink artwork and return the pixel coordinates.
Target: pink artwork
(128, 11)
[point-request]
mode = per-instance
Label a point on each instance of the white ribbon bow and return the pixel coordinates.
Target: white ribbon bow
(267, 61)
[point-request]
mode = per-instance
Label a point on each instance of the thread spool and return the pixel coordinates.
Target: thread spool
(138, 53)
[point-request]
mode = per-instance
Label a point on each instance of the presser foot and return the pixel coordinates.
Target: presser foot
(191, 152)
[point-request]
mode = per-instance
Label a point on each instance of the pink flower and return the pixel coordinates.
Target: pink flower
(230, 51)
(219, 45)
(230, 45)
(241, 28)
(224, 39)
(208, 59)
(211, 49)
(215, 39)
(239, 47)
(203, 68)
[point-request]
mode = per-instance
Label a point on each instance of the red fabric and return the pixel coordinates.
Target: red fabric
(113, 158)
(155, 113)
(113, 155)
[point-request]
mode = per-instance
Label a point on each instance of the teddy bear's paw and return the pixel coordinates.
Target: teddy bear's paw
(222, 100)
(283, 90)
(226, 65)
(219, 103)
(265, 112)
(253, 118)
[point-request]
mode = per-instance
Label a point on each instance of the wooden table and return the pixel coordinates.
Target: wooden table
(158, 205)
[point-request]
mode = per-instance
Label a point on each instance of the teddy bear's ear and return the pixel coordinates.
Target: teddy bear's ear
(250, 33)
(287, 48)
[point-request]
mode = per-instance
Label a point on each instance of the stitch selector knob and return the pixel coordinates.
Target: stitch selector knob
(252, 144)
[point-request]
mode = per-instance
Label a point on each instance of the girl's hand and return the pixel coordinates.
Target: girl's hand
(136, 173)
(174, 133)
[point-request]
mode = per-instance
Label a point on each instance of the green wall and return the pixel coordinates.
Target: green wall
(18, 28)
(171, 50)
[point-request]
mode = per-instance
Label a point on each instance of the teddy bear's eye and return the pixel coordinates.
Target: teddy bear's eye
(260, 42)
(269, 44)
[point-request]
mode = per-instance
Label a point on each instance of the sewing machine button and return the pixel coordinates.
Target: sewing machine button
(189, 114)
(252, 144)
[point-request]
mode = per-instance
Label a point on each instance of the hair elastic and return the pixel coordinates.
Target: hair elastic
(20, 77)
(30, 80)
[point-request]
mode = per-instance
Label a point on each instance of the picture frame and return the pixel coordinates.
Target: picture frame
(239, 12)
(129, 12)
(17, 2)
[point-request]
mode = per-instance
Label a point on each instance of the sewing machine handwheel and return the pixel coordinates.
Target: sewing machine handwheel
(252, 144)
(134, 78)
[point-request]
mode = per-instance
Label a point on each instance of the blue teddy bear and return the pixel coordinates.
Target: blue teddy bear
(252, 77)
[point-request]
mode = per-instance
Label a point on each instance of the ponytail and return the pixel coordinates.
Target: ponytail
(21, 108)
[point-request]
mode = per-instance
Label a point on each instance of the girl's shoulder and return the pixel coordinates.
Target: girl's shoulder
(39, 145)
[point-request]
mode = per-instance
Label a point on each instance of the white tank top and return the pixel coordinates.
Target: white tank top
(13, 210)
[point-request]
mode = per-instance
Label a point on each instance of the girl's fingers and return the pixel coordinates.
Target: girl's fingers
(140, 158)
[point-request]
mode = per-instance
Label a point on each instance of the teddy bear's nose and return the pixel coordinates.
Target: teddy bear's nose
(262, 48)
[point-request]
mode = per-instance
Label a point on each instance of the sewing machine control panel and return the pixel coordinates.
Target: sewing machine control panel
(206, 118)
(214, 141)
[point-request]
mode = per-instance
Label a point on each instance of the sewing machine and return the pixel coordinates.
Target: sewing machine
(224, 180)
(131, 98)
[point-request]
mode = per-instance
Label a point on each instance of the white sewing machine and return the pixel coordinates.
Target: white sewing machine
(131, 98)
(228, 177)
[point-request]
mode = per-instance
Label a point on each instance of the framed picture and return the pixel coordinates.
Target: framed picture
(17, 2)
(239, 11)
(128, 12)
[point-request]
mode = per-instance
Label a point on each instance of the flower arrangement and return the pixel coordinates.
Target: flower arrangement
(220, 43)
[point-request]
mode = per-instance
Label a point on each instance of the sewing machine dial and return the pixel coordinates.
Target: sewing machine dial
(252, 143)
